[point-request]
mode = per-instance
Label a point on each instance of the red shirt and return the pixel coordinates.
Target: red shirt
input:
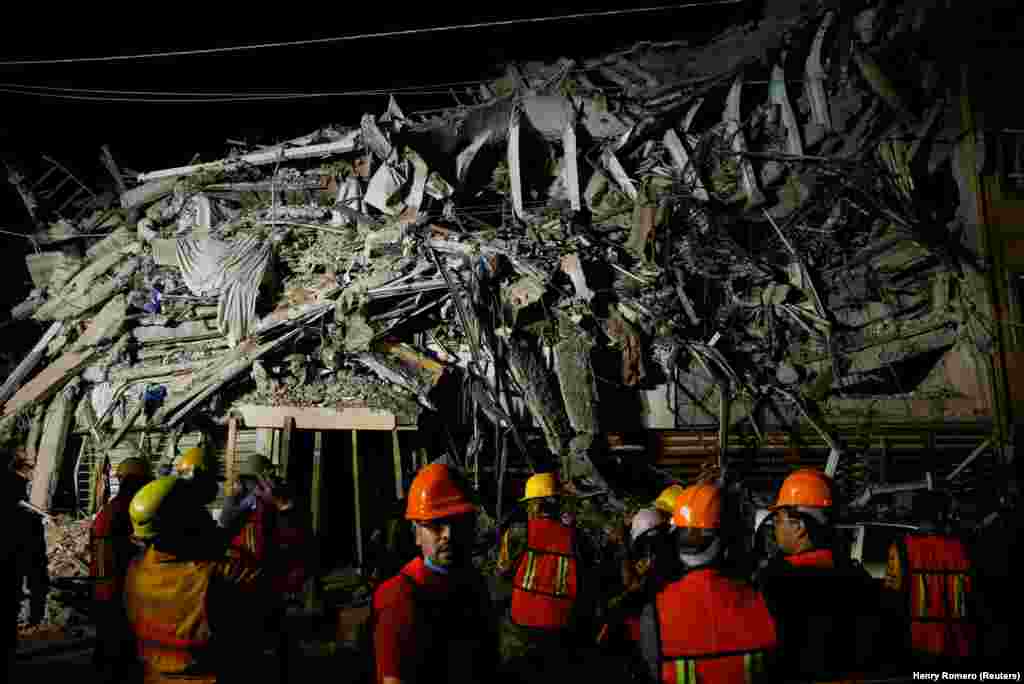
(396, 642)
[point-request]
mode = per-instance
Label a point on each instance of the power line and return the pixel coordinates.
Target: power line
(208, 100)
(431, 89)
(365, 36)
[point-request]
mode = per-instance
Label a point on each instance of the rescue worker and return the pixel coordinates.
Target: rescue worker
(431, 621)
(705, 625)
(265, 524)
(650, 557)
(194, 616)
(666, 501)
(112, 548)
(826, 607)
(31, 567)
(547, 561)
(933, 572)
(197, 469)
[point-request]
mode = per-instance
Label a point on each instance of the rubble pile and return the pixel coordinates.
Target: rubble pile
(67, 546)
(774, 218)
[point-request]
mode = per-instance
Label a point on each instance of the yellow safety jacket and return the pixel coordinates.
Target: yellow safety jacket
(167, 603)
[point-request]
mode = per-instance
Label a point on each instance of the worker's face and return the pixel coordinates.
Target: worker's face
(448, 541)
(790, 533)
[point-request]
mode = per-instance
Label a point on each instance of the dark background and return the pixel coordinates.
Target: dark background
(149, 136)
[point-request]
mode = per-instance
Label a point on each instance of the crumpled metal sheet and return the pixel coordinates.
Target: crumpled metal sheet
(232, 270)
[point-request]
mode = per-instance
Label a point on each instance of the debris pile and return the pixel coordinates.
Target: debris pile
(773, 222)
(67, 546)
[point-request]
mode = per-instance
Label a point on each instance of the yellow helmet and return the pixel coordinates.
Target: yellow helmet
(666, 501)
(133, 467)
(193, 461)
(540, 486)
(145, 507)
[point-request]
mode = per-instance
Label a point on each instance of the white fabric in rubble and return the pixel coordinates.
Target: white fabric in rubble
(232, 270)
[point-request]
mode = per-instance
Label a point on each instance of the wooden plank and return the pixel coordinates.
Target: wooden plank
(286, 444)
(315, 499)
(49, 381)
(148, 192)
(230, 451)
(355, 498)
(317, 418)
(316, 490)
(29, 363)
(396, 454)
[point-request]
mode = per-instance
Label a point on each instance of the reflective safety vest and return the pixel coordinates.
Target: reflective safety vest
(111, 549)
(166, 603)
(544, 590)
(937, 577)
(712, 629)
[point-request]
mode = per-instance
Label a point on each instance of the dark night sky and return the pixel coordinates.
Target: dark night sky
(147, 137)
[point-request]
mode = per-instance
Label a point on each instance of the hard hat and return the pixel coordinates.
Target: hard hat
(645, 520)
(540, 486)
(435, 494)
(256, 465)
(806, 487)
(666, 501)
(699, 506)
(146, 504)
(133, 467)
(194, 460)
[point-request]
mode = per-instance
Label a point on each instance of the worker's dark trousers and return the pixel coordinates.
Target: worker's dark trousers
(114, 657)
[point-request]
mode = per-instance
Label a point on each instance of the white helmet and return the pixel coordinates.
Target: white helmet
(646, 519)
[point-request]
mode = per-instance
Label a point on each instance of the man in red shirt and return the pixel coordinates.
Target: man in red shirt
(431, 622)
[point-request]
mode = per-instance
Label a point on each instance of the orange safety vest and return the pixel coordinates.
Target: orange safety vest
(108, 537)
(712, 629)
(940, 581)
(166, 603)
(544, 590)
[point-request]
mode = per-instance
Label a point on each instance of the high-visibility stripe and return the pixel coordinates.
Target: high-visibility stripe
(562, 585)
(753, 665)
(530, 573)
(922, 597)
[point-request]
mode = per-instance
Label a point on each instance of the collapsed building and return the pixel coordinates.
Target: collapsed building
(749, 254)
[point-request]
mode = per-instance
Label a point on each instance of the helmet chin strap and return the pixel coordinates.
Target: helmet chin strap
(695, 558)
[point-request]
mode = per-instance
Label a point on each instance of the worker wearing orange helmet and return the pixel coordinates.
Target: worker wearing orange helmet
(821, 600)
(112, 548)
(705, 625)
(431, 622)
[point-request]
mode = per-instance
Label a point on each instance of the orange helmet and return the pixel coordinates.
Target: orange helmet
(699, 506)
(805, 487)
(435, 494)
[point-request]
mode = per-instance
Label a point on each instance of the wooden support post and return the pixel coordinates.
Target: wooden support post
(883, 462)
(315, 506)
(355, 496)
(230, 456)
(286, 444)
(396, 452)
